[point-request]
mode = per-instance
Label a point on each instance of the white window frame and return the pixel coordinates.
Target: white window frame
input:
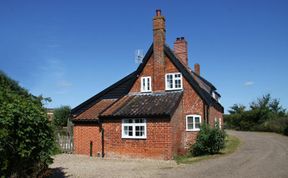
(193, 116)
(167, 87)
(133, 124)
(219, 122)
(148, 87)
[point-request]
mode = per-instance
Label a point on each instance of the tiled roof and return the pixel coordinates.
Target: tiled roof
(93, 112)
(145, 105)
(114, 91)
(122, 87)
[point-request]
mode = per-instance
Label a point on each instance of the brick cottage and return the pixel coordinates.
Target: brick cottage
(154, 112)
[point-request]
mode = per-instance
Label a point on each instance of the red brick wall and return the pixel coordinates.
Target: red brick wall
(190, 104)
(83, 134)
(148, 71)
(157, 145)
(177, 132)
(213, 113)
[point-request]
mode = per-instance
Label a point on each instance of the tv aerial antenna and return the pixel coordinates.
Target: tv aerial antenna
(139, 55)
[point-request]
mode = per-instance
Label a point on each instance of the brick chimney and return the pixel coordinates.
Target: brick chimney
(197, 68)
(158, 50)
(181, 50)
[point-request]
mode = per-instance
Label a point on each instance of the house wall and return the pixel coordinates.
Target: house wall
(83, 134)
(213, 113)
(176, 132)
(190, 104)
(148, 71)
(158, 144)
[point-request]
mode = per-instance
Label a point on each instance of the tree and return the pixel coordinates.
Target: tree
(237, 109)
(61, 116)
(26, 137)
(264, 114)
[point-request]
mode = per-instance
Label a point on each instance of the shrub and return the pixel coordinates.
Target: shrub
(209, 141)
(26, 137)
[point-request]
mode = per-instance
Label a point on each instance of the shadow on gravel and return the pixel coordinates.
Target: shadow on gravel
(56, 173)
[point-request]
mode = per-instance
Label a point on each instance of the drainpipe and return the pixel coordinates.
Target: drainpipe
(91, 148)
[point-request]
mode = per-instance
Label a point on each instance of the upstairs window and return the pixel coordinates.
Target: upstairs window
(193, 122)
(173, 81)
(134, 128)
(146, 84)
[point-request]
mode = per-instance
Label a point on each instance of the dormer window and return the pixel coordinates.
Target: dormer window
(173, 81)
(146, 84)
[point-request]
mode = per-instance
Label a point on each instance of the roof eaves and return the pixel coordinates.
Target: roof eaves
(85, 121)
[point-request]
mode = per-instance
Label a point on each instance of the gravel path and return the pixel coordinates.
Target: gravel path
(260, 155)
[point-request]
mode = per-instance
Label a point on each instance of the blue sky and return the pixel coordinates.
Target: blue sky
(71, 50)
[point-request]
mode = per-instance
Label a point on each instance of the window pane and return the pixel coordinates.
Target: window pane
(190, 126)
(190, 122)
(148, 84)
(177, 75)
(177, 83)
(139, 131)
(125, 130)
(143, 84)
(169, 81)
(125, 121)
(197, 122)
(139, 120)
(130, 130)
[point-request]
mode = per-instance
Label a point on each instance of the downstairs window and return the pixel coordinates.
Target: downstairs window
(193, 122)
(134, 128)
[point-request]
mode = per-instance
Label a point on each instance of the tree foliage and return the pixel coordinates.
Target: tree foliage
(264, 114)
(26, 137)
(61, 116)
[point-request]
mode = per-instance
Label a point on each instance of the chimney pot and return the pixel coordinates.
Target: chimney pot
(158, 12)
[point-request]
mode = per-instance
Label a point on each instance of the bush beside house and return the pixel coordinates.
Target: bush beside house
(209, 141)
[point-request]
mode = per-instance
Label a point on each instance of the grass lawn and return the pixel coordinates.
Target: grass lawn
(232, 144)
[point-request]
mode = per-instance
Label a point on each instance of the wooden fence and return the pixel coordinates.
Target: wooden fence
(64, 138)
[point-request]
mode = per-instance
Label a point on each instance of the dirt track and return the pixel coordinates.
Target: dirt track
(260, 155)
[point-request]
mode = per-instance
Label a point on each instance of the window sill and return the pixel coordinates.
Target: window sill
(174, 89)
(192, 130)
(146, 91)
(134, 138)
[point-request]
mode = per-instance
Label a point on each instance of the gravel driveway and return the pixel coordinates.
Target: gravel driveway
(260, 155)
